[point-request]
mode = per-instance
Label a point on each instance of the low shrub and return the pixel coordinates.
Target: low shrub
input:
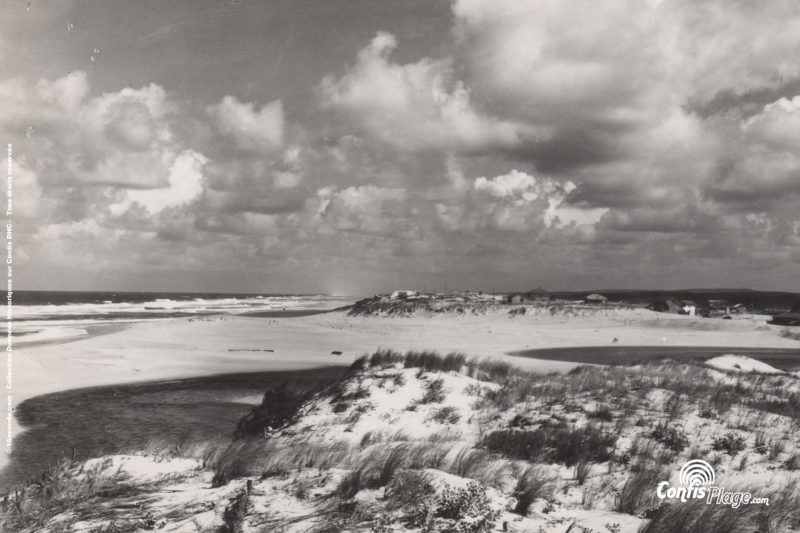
(434, 392)
(602, 413)
(729, 443)
(761, 445)
(463, 510)
(446, 415)
(671, 437)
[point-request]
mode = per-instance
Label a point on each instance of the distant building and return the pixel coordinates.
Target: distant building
(516, 298)
(403, 295)
(595, 299)
(689, 307)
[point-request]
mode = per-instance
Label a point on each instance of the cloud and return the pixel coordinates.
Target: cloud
(513, 202)
(417, 106)
(253, 130)
(121, 139)
(763, 162)
(185, 185)
(363, 209)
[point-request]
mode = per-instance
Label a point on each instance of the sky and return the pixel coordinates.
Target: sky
(359, 146)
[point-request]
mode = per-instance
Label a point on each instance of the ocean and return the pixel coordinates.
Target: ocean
(119, 418)
(51, 316)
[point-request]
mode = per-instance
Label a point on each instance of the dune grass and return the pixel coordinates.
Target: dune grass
(66, 486)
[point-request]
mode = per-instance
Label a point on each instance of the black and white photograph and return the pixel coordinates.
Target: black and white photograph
(400, 266)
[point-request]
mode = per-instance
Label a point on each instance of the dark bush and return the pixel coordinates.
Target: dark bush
(277, 408)
(671, 437)
(730, 443)
(602, 413)
(446, 415)
(434, 392)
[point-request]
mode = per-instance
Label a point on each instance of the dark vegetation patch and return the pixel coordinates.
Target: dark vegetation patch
(434, 392)
(277, 408)
(446, 415)
(729, 443)
(671, 437)
(559, 443)
(381, 306)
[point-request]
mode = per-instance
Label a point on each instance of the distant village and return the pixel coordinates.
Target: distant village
(697, 306)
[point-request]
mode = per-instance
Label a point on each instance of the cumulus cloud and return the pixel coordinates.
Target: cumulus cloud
(514, 202)
(252, 129)
(417, 106)
(123, 139)
(363, 209)
(185, 185)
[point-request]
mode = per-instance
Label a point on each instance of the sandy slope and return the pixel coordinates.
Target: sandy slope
(184, 348)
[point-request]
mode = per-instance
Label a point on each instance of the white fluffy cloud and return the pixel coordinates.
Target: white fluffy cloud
(515, 202)
(185, 185)
(123, 139)
(417, 106)
(252, 129)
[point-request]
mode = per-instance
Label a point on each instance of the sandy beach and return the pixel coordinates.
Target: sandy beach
(179, 348)
(182, 348)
